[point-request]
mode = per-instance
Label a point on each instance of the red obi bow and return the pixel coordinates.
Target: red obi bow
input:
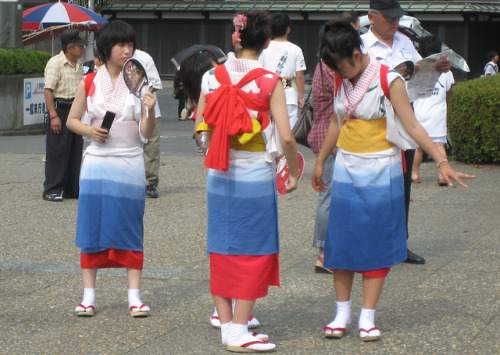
(227, 111)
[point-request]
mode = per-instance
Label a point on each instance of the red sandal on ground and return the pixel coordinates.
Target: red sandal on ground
(251, 344)
(83, 311)
(370, 334)
(141, 311)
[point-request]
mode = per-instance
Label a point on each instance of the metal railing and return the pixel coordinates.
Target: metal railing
(85, 3)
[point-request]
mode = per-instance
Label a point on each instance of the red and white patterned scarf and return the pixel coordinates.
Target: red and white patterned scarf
(354, 95)
(114, 96)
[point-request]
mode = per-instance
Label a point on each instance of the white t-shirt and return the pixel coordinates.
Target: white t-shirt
(402, 49)
(431, 111)
(152, 73)
(284, 59)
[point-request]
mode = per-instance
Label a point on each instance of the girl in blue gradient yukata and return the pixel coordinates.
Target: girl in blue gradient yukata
(112, 182)
(366, 231)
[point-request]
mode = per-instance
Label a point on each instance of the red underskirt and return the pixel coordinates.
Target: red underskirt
(112, 258)
(379, 273)
(244, 277)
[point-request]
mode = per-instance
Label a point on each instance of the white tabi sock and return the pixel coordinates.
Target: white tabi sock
(343, 315)
(367, 319)
(224, 331)
(88, 297)
(134, 297)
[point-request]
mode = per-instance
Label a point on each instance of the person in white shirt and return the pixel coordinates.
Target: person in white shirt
(431, 111)
(152, 148)
(491, 68)
(287, 60)
(390, 47)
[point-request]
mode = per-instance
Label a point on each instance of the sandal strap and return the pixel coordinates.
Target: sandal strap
(85, 308)
(369, 330)
(253, 342)
(335, 329)
(138, 309)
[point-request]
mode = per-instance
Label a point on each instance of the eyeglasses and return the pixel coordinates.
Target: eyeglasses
(387, 18)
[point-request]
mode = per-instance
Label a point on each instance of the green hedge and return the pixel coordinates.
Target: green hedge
(22, 61)
(474, 120)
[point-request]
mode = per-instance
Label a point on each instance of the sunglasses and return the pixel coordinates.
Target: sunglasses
(387, 18)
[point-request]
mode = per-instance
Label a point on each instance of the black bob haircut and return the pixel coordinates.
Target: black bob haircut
(112, 33)
(339, 41)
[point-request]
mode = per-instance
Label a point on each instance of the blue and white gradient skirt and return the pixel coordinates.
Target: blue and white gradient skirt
(366, 229)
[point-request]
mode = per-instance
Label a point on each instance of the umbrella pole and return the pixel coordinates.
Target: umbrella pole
(52, 36)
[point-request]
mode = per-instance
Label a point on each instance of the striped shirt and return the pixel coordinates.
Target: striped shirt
(62, 77)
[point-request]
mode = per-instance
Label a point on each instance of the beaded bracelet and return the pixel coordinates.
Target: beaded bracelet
(442, 160)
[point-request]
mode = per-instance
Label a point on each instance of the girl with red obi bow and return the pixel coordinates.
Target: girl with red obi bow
(242, 142)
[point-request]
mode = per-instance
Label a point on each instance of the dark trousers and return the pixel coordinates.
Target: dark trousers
(181, 104)
(63, 160)
(409, 156)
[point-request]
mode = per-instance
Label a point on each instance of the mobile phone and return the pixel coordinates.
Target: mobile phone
(108, 120)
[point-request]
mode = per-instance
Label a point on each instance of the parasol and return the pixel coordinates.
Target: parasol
(56, 17)
(219, 55)
(57, 14)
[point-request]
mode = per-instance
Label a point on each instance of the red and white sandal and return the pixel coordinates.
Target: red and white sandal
(83, 311)
(334, 332)
(251, 344)
(370, 334)
(261, 336)
(141, 311)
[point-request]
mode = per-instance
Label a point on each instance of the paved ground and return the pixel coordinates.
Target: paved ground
(448, 306)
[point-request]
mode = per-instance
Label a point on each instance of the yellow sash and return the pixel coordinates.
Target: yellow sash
(364, 136)
(251, 142)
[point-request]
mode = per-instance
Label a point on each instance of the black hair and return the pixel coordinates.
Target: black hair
(112, 33)
(349, 16)
(339, 42)
(191, 71)
(281, 21)
(97, 54)
(429, 45)
(491, 54)
(257, 30)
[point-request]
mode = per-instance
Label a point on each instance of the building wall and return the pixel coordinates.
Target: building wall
(163, 38)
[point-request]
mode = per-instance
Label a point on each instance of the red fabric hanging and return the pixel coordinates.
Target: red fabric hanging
(227, 111)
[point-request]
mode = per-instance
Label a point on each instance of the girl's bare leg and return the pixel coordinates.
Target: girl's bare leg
(342, 280)
(224, 309)
(372, 289)
(134, 278)
(89, 276)
(242, 311)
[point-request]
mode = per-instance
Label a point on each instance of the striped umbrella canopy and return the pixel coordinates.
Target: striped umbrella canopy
(57, 14)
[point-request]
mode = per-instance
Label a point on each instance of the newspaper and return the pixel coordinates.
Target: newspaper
(423, 82)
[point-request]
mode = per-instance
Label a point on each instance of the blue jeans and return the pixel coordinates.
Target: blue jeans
(323, 211)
